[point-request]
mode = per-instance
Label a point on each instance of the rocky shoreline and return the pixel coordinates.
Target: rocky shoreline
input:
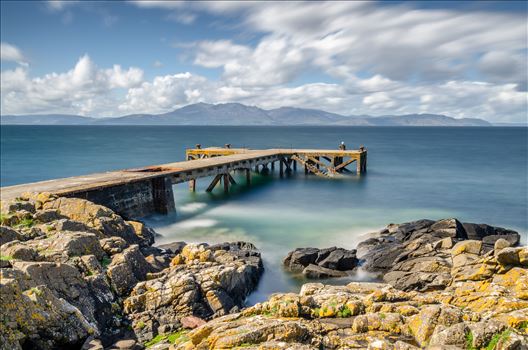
(75, 275)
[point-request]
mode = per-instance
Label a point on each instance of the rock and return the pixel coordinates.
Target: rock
(127, 269)
(7, 235)
(453, 335)
(314, 272)
(113, 245)
(174, 247)
(512, 239)
(313, 262)
(509, 256)
(126, 344)
(481, 231)
(91, 296)
(191, 322)
(340, 259)
(423, 324)
(144, 233)
(19, 251)
(298, 259)
(44, 321)
(467, 247)
(76, 244)
(482, 332)
(98, 217)
(49, 215)
(450, 228)
(92, 343)
(500, 244)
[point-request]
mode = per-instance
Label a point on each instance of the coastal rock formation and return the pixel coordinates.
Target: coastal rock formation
(417, 255)
(477, 311)
(68, 267)
(321, 263)
(204, 281)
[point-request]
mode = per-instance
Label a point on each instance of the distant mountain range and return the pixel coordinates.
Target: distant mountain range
(239, 114)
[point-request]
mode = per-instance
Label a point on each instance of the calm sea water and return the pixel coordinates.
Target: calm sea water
(474, 174)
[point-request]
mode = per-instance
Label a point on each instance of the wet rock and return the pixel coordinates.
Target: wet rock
(481, 231)
(319, 263)
(298, 259)
(313, 271)
(173, 247)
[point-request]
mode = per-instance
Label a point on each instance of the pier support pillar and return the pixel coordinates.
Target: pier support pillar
(281, 167)
(294, 165)
(192, 185)
(248, 177)
(272, 166)
(162, 195)
(226, 183)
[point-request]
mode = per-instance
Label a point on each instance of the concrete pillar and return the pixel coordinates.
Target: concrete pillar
(281, 167)
(162, 195)
(248, 176)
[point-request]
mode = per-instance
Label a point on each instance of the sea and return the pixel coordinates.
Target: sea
(476, 174)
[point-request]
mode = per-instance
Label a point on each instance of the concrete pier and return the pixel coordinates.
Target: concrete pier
(133, 193)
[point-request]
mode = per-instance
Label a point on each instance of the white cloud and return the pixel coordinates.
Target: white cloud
(11, 53)
(164, 93)
(85, 89)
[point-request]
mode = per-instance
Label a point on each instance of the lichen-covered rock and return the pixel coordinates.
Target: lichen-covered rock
(208, 281)
(37, 318)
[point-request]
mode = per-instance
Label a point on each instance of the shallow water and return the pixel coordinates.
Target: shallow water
(474, 174)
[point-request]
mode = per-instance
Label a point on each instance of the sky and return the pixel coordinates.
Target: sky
(105, 59)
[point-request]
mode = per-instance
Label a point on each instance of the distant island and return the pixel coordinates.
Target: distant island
(239, 114)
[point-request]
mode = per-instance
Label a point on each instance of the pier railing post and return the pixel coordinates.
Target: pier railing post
(162, 195)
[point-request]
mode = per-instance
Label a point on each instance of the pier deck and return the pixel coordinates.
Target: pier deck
(142, 191)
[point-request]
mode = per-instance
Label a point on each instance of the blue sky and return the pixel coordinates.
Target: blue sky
(463, 59)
